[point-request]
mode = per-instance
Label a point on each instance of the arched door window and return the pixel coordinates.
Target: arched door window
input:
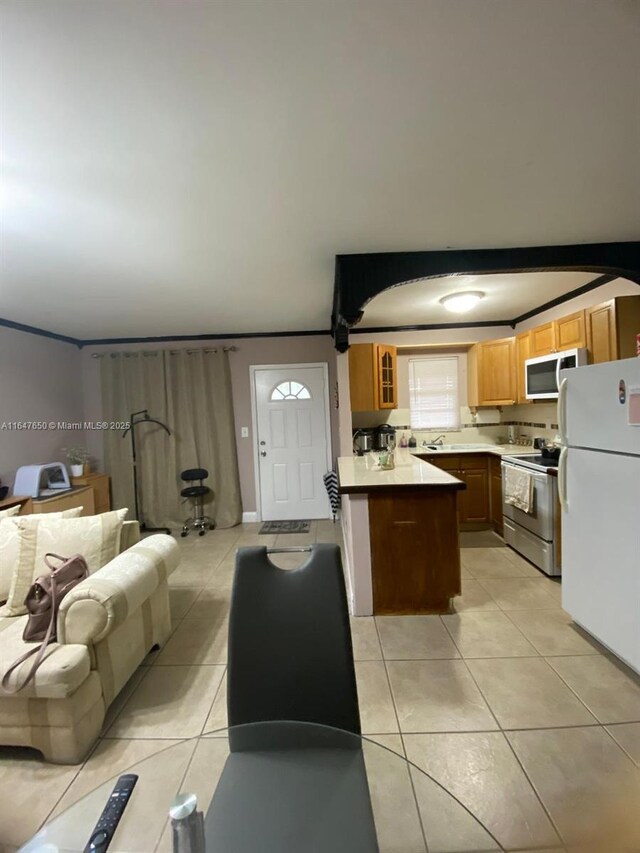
(290, 390)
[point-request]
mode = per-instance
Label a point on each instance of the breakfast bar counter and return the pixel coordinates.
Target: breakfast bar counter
(358, 474)
(401, 535)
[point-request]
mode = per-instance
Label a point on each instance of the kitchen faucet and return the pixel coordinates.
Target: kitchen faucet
(439, 440)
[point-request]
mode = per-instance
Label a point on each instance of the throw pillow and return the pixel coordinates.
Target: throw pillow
(10, 547)
(96, 537)
(6, 513)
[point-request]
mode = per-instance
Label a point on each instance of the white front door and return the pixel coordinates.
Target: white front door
(292, 441)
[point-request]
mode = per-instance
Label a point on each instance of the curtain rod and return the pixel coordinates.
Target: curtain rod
(156, 352)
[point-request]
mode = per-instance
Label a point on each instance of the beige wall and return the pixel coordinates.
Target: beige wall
(250, 351)
(40, 380)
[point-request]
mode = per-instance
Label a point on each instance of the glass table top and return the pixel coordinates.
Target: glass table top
(277, 786)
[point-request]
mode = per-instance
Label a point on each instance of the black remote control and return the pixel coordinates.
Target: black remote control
(106, 826)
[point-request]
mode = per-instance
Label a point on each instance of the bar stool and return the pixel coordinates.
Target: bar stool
(199, 521)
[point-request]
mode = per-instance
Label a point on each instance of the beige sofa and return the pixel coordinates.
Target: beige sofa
(106, 627)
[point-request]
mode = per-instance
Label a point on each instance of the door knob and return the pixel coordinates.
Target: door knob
(263, 453)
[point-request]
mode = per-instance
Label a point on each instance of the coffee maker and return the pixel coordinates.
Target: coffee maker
(385, 437)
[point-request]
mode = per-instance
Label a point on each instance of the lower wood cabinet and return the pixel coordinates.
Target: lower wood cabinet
(481, 502)
(472, 469)
(415, 553)
(495, 490)
(474, 500)
(101, 492)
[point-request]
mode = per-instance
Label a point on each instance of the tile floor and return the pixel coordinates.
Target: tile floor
(505, 702)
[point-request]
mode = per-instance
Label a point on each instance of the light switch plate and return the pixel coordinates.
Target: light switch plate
(244, 432)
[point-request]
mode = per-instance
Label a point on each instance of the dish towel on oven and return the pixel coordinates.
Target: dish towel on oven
(518, 488)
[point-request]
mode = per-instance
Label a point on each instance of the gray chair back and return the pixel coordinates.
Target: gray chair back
(290, 653)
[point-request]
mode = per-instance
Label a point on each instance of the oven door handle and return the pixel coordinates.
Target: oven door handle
(562, 479)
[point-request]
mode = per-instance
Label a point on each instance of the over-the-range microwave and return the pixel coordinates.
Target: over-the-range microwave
(542, 374)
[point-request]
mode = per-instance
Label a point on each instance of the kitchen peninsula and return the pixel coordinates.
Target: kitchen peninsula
(401, 535)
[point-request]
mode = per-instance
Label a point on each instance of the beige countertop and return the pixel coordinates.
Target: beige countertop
(361, 474)
(493, 449)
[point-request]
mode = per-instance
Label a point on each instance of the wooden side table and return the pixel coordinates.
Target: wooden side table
(25, 504)
(68, 499)
(101, 492)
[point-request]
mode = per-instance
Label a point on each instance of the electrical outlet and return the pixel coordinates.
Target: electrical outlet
(244, 432)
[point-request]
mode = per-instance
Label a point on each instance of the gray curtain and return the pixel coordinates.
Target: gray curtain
(190, 391)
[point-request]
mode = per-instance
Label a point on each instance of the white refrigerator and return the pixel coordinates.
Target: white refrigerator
(599, 490)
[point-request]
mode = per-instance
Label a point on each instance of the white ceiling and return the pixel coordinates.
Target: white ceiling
(191, 167)
(506, 297)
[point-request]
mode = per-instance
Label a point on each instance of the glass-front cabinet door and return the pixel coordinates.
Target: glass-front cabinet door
(387, 377)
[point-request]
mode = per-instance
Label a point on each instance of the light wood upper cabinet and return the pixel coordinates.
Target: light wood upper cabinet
(496, 372)
(566, 333)
(387, 377)
(373, 377)
(523, 352)
(491, 373)
(570, 332)
(542, 340)
(612, 328)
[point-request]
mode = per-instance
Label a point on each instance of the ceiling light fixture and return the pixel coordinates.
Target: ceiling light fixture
(460, 303)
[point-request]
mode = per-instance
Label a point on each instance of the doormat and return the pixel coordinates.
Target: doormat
(285, 527)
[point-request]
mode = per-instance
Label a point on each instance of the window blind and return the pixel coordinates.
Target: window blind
(433, 393)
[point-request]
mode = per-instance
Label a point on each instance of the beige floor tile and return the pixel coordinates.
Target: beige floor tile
(110, 759)
(201, 778)
(414, 638)
(587, 784)
(171, 702)
(553, 632)
(481, 771)
(474, 597)
(487, 634)
(217, 718)
(295, 540)
(211, 603)
(122, 698)
(180, 600)
(364, 637)
(610, 690)
(395, 811)
(520, 593)
(196, 641)
(438, 696)
(525, 693)
(289, 561)
(447, 825)
(628, 737)
(30, 790)
(391, 742)
(161, 777)
(493, 563)
(529, 569)
(465, 574)
(191, 574)
(251, 540)
(377, 714)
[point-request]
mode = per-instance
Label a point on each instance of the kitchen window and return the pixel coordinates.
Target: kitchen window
(433, 393)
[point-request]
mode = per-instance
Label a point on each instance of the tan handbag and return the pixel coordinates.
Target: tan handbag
(43, 602)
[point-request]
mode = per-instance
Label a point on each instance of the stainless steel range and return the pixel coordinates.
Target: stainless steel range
(534, 534)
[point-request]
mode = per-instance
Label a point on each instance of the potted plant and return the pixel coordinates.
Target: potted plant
(76, 457)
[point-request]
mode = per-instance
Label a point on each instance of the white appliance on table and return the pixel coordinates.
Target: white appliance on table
(533, 534)
(599, 490)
